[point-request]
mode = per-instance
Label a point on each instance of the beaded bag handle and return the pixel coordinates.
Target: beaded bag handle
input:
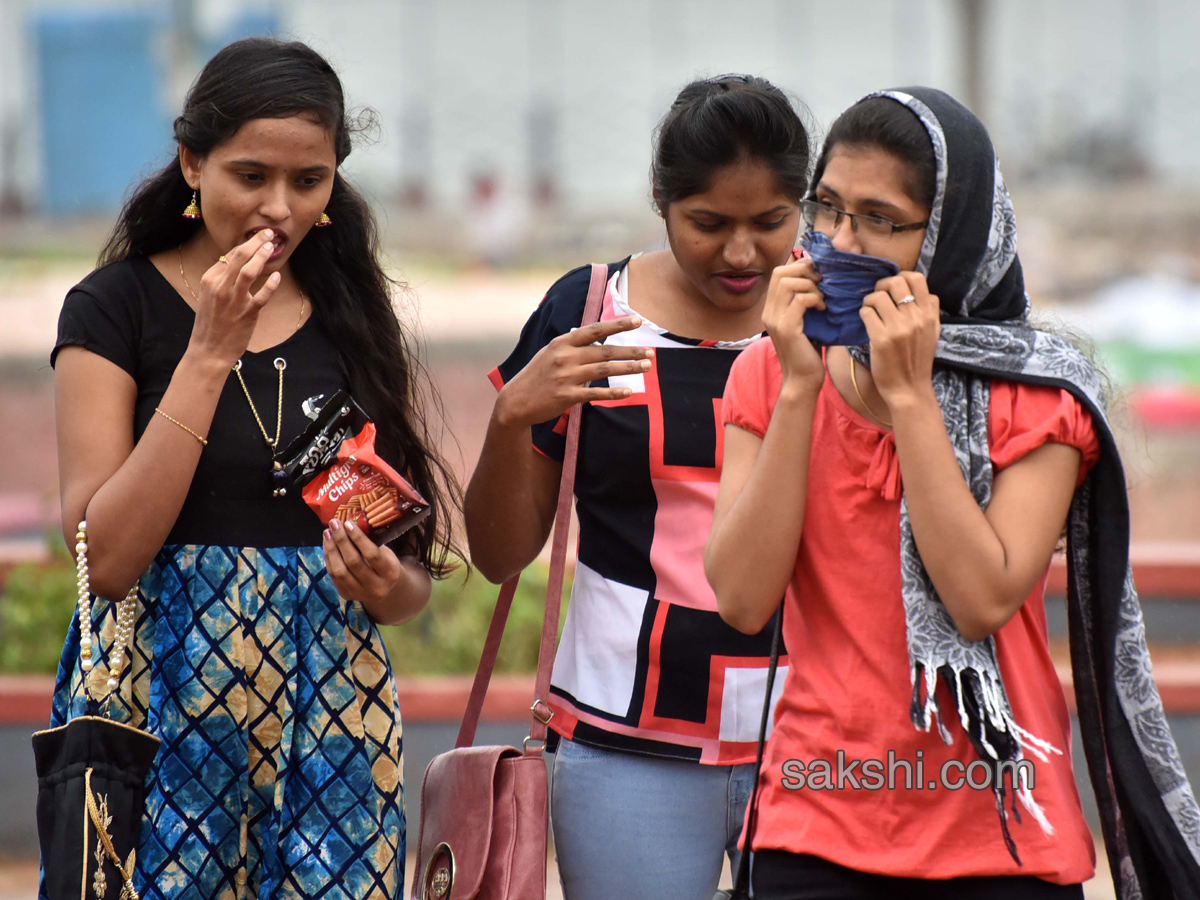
(126, 618)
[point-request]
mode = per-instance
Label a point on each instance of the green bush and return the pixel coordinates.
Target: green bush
(446, 638)
(35, 612)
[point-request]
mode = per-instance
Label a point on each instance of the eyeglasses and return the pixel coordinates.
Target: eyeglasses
(825, 218)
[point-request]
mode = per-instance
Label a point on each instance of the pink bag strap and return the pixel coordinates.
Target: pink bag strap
(558, 560)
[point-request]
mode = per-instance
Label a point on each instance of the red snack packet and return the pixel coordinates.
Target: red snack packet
(340, 476)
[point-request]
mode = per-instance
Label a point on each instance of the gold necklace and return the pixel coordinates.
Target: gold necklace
(870, 412)
(279, 478)
(278, 475)
(273, 443)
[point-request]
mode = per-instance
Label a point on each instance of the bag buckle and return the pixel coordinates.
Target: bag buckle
(525, 744)
(545, 717)
(543, 713)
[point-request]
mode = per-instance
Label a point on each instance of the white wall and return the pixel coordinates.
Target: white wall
(474, 70)
(18, 136)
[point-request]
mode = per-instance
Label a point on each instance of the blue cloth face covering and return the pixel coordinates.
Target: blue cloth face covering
(846, 278)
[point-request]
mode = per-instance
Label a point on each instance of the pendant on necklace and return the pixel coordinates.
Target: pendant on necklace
(279, 476)
(279, 480)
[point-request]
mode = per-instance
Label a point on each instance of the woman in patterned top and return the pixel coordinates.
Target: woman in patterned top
(655, 699)
(184, 366)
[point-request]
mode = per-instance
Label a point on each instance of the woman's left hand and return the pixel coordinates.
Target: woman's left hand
(361, 569)
(903, 321)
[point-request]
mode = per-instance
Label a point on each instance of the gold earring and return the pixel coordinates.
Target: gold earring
(192, 210)
(323, 221)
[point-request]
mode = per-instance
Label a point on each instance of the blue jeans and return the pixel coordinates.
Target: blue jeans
(628, 825)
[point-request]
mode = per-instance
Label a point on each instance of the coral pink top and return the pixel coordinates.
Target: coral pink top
(848, 687)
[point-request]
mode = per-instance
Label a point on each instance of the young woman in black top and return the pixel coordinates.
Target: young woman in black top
(220, 318)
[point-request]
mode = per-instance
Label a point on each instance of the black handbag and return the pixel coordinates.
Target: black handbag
(92, 772)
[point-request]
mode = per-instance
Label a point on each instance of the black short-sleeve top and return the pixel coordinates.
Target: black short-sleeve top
(128, 313)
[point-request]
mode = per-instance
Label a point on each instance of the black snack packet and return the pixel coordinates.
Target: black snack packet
(340, 475)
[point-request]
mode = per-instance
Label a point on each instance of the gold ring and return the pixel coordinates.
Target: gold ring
(222, 259)
(909, 299)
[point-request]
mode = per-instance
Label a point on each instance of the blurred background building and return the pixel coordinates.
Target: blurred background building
(519, 130)
(554, 100)
(517, 133)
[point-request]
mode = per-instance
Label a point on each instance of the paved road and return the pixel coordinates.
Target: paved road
(18, 880)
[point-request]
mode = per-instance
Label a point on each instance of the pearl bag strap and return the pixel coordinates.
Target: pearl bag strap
(126, 620)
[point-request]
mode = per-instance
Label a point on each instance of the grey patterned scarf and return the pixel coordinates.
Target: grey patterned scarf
(1148, 812)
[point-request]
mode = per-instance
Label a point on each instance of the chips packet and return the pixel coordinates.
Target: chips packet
(339, 474)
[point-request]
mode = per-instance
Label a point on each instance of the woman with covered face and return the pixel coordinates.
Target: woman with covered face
(903, 491)
(655, 698)
(240, 288)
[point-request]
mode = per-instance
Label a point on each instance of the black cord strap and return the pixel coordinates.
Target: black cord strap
(741, 880)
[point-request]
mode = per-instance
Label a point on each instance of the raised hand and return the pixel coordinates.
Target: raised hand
(903, 321)
(792, 291)
(226, 310)
(558, 376)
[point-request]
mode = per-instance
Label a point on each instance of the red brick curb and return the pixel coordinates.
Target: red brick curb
(25, 699)
(1159, 571)
(1178, 686)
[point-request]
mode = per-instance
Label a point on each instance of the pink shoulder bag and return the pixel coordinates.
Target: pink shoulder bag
(485, 811)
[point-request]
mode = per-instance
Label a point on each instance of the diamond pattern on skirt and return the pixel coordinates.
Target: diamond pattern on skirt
(280, 771)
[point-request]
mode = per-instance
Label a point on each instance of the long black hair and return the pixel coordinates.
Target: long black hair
(717, 121)
(338, 267)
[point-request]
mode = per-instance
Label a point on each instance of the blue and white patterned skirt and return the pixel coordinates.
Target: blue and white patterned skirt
(279, 773)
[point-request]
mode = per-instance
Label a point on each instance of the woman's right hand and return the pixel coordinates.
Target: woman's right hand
(793, 291)
(557, 377)
(226, 311)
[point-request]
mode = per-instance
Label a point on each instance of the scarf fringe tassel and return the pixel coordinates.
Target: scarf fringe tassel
(996, 709)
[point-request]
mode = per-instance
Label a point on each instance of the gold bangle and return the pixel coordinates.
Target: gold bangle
(203, 441)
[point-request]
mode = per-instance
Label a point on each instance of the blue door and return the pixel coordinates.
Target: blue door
(100, 105)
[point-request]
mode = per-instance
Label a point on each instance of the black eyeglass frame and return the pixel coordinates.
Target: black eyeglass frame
(814, 206)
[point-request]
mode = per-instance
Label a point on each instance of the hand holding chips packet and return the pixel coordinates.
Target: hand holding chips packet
(339, 474)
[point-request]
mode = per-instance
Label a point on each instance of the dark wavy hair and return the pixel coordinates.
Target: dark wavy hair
(338, 267)
(717, 121)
